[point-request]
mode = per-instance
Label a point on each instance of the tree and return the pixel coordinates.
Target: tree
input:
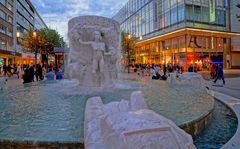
(238, 15)
(39, 40)
(32, 43)
(128, 44)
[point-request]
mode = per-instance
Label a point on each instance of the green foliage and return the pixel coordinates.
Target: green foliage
(52, 37)
(30, 43)
(128, 44)
(45, 39)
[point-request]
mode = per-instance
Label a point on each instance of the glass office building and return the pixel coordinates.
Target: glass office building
(182, 32)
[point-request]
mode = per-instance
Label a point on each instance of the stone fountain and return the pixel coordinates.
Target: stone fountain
(94, 50)
(93, 59)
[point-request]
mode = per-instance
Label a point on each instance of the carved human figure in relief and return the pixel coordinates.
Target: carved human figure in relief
(99, 49)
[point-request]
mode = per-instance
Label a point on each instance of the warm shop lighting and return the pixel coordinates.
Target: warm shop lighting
(189, 29)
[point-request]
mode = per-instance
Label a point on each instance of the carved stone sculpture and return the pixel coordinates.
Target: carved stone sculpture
(94, 50)
(130, 125)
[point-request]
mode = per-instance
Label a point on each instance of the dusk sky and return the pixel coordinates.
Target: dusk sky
(57, 13)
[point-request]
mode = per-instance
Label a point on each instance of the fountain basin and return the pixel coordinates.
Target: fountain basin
(49, 113)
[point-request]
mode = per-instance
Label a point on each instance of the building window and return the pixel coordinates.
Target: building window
(3, 29)
(220, 17)
(10, 19)
(3, 2)
(10, 33)
(3, 44)
(181, 13)
(2, 15)
(174, 16)
(9, 6)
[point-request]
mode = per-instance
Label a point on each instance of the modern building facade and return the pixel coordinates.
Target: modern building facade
(6, 29)
(183, 32)
(17, 16)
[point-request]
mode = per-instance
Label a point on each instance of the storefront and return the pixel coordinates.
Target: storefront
(10, 57)
(29, 58)
(185, 49)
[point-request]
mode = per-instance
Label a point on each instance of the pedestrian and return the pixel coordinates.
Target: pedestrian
(44, 71)
(195, 68)
(213, 71)
(50, 75)
(27, 78)
(142, 70)
(9, 70)
(220, 74)
(148, 69)
(5, 70)
(190, 68)
(36, 73)
(31, 71)
(59, 74)
(19, 70)
(40, 72)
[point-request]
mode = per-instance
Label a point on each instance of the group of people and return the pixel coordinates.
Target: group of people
(8, 70)
(193, 68)
(155, 71)
(161, 72)
(31, 73)
(40, 72)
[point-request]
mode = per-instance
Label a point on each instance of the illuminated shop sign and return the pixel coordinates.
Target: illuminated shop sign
(212, 11)
(199, 42)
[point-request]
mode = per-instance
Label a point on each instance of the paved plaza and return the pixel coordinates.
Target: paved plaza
(231, 88)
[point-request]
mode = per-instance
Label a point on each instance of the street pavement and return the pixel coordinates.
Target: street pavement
(232, 86)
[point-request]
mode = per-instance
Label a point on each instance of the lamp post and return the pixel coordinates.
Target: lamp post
(35, 44)
(18, 37)
(128, 48)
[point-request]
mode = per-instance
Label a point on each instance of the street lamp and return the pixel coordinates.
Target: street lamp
(18, 41)
(128, 48)
(35, 44)
(34, 34)
(18, 34)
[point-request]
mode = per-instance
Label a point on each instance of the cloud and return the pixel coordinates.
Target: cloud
(57, 13)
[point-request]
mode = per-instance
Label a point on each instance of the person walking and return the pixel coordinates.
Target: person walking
(220, 74)
(19, 70)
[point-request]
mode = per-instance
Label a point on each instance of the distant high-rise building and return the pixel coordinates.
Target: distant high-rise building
(183, 32)
(16, 17)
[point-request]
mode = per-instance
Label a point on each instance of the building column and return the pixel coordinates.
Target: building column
(227, 60)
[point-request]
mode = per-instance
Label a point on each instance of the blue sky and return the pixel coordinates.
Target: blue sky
(57, 13)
